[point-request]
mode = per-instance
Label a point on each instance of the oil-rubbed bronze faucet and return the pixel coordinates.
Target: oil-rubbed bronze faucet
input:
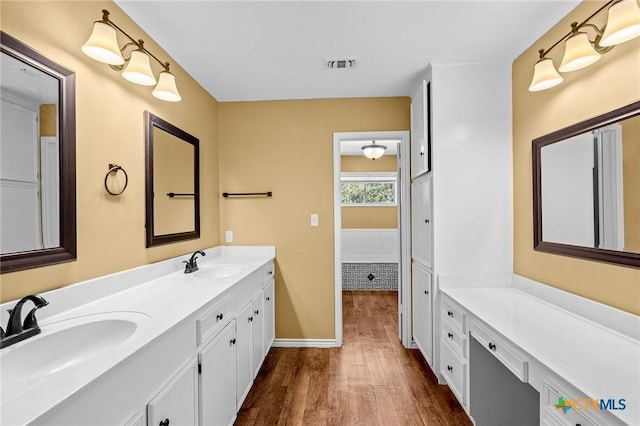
(17, 330)
(191, 264)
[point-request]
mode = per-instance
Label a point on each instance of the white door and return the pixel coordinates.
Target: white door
(419, 131)
(422, 311)
(217, 379)
(244, 353)
(258, 332)
(175, 404)
(269, 316)
(421, 221)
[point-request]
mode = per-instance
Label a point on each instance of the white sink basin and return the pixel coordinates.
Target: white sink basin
(64, 345)
(219, 271)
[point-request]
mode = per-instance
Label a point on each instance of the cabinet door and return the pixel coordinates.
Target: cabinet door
(422, 311)
(175, 404)
(217, 379)
(269, 316)
(244, 353)
(420, 130)
(421, 221)
(258, 332)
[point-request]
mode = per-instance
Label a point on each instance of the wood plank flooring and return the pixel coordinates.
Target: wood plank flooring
(371, 380)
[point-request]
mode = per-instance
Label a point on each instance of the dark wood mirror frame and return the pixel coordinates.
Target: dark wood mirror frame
(66, 252)
(601, 255)
(152, 239)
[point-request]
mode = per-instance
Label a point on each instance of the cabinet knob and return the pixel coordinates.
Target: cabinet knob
(257, 312)
(426, 292)
(492, 346)
(268, 298)
(426, 221)
(450, 335)
(232, 341)
(250, 319)
(219, 317)
(270, 272)
(450, 368)
(164, 422)
(421, 154)
(450, 314)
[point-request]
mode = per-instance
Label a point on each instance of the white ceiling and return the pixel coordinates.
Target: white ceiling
(266, 50)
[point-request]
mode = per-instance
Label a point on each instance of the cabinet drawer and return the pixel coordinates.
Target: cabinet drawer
(454, 371)
(268, 273)
(213, 321)
(454, 314)
(455, 338)
(556, 416)
(505, 352)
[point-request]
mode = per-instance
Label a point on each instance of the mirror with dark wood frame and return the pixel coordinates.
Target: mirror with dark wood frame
(172, 183)
(586, 189)
(37, 150)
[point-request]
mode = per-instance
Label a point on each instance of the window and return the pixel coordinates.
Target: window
(368, 189)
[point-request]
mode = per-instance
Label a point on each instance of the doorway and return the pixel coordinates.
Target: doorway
(400, 141)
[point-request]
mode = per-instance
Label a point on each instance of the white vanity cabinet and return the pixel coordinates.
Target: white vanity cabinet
(422, 310)
(454, 360)
(244, 360)
(176, 403)
(217, 379)
(421, 221)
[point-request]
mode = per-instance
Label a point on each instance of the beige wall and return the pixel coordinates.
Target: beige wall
(609, 84)
(287, 147)
(110, 129)
(48, 120)
(369, 217)
(631, 179)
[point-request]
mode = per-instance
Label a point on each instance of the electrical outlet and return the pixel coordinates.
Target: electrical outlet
(314, 219)
(228, 236)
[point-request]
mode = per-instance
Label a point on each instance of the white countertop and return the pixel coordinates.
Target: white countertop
(598, 361)
(166, 301)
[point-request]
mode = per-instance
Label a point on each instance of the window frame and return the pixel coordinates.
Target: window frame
(370, 177)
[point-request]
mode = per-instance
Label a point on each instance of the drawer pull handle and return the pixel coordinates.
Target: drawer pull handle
(450, 314)
(164, 422)
(450, 368)
(219, 317)
(232, 342)
(450, 335)
(492, 346)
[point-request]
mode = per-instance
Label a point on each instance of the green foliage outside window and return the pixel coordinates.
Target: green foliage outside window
(368, 193)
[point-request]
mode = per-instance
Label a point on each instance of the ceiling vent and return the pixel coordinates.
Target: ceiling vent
(341, 63)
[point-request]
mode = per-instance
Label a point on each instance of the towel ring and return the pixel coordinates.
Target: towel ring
(114, 168)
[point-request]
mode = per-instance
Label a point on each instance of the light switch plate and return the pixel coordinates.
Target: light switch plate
(228, 236)
(314, 219)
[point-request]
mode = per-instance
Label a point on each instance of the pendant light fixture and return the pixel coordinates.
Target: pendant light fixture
(373, 151)
(103, 46)
(623, 24)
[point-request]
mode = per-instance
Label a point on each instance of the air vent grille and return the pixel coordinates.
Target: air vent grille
(341, 63)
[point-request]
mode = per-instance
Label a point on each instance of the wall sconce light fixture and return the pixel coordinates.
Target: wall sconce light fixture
(623, 24)
(102, 46)
(373, 151)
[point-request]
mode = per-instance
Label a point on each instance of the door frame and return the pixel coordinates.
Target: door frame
(404, 229)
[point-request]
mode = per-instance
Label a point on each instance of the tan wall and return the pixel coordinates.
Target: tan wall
(110, 129)
(287, 147)
(609, 84)
(48, 120)
(369, 217)
(631, 179)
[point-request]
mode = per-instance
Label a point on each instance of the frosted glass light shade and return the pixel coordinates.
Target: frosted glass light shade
(166, 88)
(373, 151)
(102, 45)
(138, 69)
(578, 53)
(623, 23)
(545, 76)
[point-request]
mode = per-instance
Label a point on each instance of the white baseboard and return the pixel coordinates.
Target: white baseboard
(304, 343)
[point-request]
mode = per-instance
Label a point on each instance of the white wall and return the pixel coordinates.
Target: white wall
(472, 169)
(369, 245)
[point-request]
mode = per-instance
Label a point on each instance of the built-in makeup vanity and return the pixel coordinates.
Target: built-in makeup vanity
(147, 346)
(514, 351)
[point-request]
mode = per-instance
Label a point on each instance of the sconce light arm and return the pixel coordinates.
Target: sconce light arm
(138, 43)
(575, 27)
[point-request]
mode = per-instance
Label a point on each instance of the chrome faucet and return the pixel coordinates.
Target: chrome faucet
(191, 264)
(17, 330)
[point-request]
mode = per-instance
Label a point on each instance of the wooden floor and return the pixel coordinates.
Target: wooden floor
(371, 380)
